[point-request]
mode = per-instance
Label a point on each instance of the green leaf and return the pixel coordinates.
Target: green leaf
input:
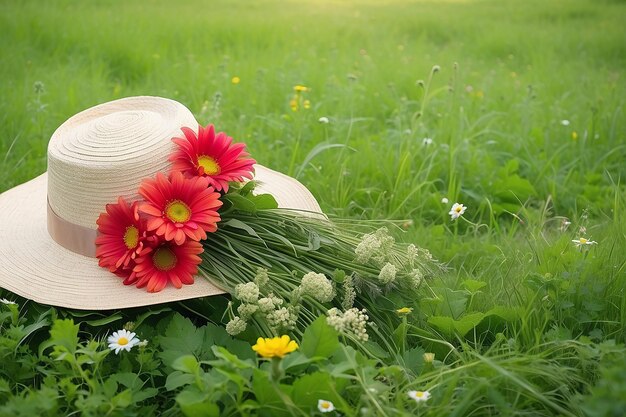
(123, 399)
(444, 324)
(473, 285)
(177, 379)
(451, 327)
(105, 320)
(144, 394)
(319, 339)
(64, 333)
(246, 188)
(263, 201)
(4, 386)
(453, 302)
(269, 394)
(223, 353)
(375, 349)
(181, 338)
(196, 404)
(187, 363)
(240, 203)
(238, 224)
(414, 359)
(151, 312)
(297, 361)
(399, 334)
(41, 322)
(308, 389)
(510, 314)
(468, 322)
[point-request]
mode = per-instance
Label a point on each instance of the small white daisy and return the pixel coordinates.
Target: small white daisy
(565, 122)
(323, 120)
(457, 211)
(581, 241)
(427, 141)
(444, 201)
(122, 340)
(7, 302)
(419, 396)
(325, 406)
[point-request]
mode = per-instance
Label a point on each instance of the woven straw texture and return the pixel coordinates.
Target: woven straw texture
(94, 157)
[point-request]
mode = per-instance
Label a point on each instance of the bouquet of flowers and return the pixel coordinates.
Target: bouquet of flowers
(283, 268)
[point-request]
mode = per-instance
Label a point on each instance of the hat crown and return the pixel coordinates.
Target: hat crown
(106, 151)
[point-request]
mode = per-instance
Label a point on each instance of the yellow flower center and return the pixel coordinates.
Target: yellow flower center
(131, 237)
(122, 341)
(210, 165)
(177, 211)
(419, 394)
(325, 405)
(583, 240)
(164, 259)
(458, 209)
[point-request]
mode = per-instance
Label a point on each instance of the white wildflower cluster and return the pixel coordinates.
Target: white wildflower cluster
(269, 303)
(375, 247)
(349, 293)
(351, 322)
(248, 292)
(283, 318)
(261, 278)
(236, 326)
(426, 254)
(256, 305)
(412, 253)
(317, 286)
(246, 310)
(415, 278)
(387, 274)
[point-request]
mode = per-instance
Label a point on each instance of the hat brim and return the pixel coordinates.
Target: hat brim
(34, 266)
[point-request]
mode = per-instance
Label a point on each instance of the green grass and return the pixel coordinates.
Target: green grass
(508, 73)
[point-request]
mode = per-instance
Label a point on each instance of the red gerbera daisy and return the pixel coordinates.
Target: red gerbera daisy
(212, 156)
(121, 238)
(166, 262)
(180, 207)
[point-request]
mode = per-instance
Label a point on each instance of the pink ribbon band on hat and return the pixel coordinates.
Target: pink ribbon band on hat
(73, 237)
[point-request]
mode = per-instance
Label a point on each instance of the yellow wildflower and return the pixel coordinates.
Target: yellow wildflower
(275, 347)
(404, 310)
(235, 80)
(307, 104)
(293, 103)
(300, 89)
(574, 135)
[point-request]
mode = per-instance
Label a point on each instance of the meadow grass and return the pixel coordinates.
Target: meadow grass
(515, 109)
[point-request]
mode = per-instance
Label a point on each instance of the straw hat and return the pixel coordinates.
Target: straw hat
(93, 158)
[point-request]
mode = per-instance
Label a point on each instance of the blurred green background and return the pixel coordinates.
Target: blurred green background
(510, 72)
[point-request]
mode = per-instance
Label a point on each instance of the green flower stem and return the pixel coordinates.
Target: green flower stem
(277, 370)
